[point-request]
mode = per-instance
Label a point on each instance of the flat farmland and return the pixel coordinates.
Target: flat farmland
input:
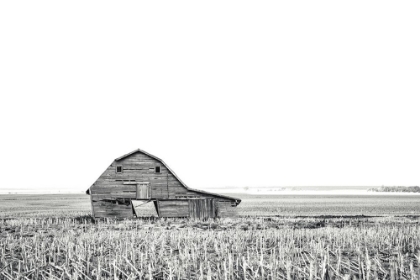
(71, 205)
(337, 205)
(275, 237)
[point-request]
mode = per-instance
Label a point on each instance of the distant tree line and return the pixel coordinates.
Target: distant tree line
(414, 189)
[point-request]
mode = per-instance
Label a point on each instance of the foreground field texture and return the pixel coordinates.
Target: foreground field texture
(73, 246)
(244, 248)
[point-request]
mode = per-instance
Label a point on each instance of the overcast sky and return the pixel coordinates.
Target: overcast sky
(227, 93)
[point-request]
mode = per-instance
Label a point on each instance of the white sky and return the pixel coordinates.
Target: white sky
(227, 93)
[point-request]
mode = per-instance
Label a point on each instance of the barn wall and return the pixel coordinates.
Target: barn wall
(173, 208)
(105, 209)
(202, 208)
(225, 209)
(196, 208)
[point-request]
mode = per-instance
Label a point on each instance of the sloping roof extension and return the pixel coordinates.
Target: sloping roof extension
(161, 161)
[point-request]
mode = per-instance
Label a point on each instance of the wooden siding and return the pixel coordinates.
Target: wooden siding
(201, 208)
(135, 168)
(173, 208)
(225, 209)
(104, 209)
(141, 168)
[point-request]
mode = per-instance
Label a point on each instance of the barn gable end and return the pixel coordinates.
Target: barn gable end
(142, 176)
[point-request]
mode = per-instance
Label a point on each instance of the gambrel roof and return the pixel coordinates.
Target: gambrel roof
(183, 184)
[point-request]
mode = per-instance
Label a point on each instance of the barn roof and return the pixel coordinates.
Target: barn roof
(161, 161)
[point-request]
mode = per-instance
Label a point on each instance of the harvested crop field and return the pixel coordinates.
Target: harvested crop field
(53, 237)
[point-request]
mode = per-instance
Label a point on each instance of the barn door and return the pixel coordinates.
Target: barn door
(143, 190)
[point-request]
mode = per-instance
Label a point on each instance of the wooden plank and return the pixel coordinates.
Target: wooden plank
(175, 184)
(107, 189)
(113, 191)
(113, 196)
(102, 206)
(107, 183)
(110, 206)
(121, 181)
(138, 160)
(156, 203)
(161, 179)
(135, 172)
(123, 194)
(138, 165)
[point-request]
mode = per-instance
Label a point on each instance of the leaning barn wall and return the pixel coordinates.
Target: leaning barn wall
(138, 167)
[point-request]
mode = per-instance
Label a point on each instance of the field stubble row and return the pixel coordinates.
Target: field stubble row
(242, 248)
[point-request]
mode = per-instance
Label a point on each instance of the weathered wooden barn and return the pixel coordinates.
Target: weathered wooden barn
(145, 177)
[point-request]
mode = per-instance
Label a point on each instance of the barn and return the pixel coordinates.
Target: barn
(140, 176)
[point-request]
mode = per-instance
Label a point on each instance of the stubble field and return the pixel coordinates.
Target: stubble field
(289, 237)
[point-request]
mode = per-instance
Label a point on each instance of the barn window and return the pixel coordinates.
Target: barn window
(157, 169)
(119, 169)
